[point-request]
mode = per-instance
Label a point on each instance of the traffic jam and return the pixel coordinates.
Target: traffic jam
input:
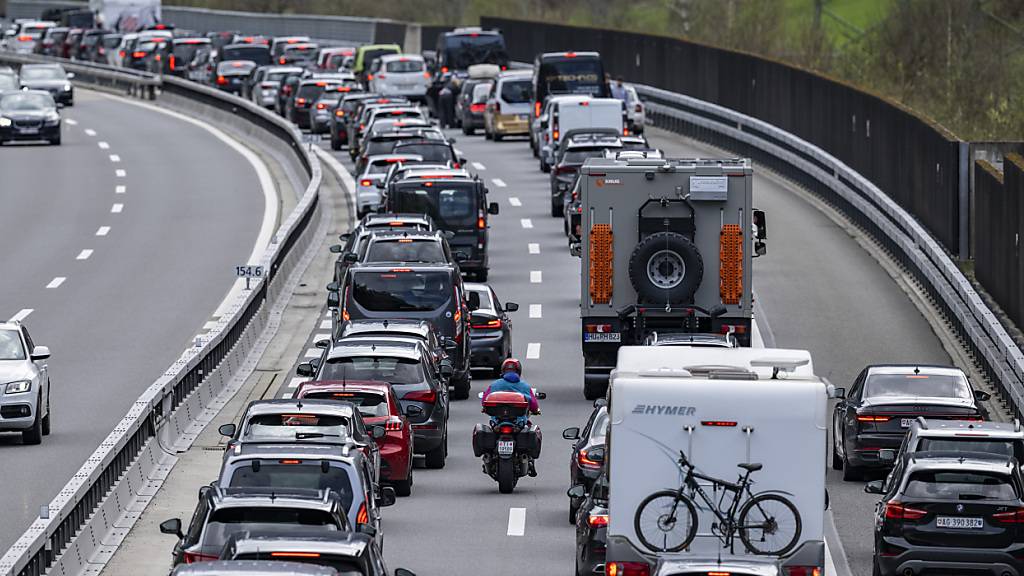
(700, 450)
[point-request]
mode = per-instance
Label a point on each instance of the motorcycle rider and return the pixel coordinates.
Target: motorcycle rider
(511, 381)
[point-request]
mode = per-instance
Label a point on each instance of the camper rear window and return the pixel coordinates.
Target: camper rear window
(572, 76)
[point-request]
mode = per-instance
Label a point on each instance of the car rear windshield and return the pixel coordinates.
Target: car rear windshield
(343, 565)
(275, 76)
(383, 368)
(452, 204)
(404, 66)
(295, 426)
(370, 404)
(258, 54)
(580, 156)
(435, 153)
(294, 473)
(311, 91)
(186, 50)
(960, 485)
(480, 92)
(405, 250)
(44, 73)
(967, 444)
(110, 40)
(926, 385)
(517, 91)
(235, 67)
(334, 61)
(370, 55)
(227, 521)
(465, 50)
(572, 76)
(400, 291)
(10, 345)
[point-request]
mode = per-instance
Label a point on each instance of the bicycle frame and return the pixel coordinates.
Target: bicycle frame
(729, 527)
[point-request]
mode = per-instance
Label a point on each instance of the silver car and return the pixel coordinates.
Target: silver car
(24, 384)
(368, 194)
(400, 75)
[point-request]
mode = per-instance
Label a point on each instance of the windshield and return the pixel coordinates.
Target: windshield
(295, 427)
(452, 204)
(10, 345)
(928, 385)
(464, 50)
(258, 54)
(480, 92)
(392, 370)
(572, 76)
(438, 153)
(275, 76)
(227, 521)
(960, 485)
(312, 91)
(405, 250)
(398, 291)
(335, 61)
(294, 474)
(111, 40)
(25, 102)
(8, 82)
(404, 66)
(369, 404)
(46, 73)
(961, 444)
(517, 91)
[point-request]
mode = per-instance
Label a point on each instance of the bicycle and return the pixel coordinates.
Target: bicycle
(763, 518)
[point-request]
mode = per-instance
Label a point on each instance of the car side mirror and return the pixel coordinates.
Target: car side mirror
(333, 287)
(451, 140)
(462, 161)
(979, 395)
(493, 208)
(839, 393)
(446, 370)
(333, 300)
(305, 369)
(874, 487)
(474, 301)
(350, 258)
(575, 249)
(344, 237)
(760, 225)
(172, 526)
(887, 455)
(600, 402)
(71, 75)
(60, 105)
(571, 433)
(387, 497)
(323, 344)
(227, 429)
(413, 411)
(511, 307)
(40, 353)
(337, 249)
(378, 432)
(404, 572)
(450, 345)
(577, 491)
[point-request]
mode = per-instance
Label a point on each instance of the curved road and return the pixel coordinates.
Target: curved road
(119, 269)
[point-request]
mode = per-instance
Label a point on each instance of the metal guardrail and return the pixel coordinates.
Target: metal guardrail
(898, 232)
(91, 508)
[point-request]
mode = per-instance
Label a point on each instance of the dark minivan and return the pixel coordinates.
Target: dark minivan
(457, 202)
(576, 73)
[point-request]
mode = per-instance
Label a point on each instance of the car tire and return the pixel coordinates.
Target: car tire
(544, 166)
(46, 419)
(481, 275)
(851, 473)
(335, 144)
(461, 386)
(668, 253)
(403, 487)
(574, 510)
(556, 209)
(876, 570)
(34, 435)
(468, 131)
(436, 457)
(497, 137)
(533, 147)
(594, 390)
(837, 460)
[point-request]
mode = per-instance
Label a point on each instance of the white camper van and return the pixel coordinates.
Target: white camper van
(568, 113)
(726, 416)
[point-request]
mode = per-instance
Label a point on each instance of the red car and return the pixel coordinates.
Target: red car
(378, 405)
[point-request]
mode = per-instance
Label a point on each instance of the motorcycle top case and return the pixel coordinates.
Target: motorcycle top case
(506, 405)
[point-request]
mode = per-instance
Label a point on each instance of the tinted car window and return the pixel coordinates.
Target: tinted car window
(464, 50)
(1001, 447)
(185, 51)
(943, 386)
(370, 55)
(580, 156)
(452, 204)
(369, 404)
(517, 91)
(404, 66)
(391, 370)
(258, 54)
(405, 251)
(10, 346)
(438, 153)
(311, 91)
(480, 92)
(227, 521)
(572, 76)
(957, 485)
(303, 475)
(290, 426)
(235, 67)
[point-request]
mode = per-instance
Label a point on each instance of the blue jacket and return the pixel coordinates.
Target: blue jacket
(510, 382)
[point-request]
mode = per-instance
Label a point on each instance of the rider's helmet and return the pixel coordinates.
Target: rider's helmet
(512, 365)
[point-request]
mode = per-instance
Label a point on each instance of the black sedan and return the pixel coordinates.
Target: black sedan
(29, 115)
(591, 527)
(490, 329)
(232, 74)
(885, 400)
(50, 78)
(950, 513)
(588, 451)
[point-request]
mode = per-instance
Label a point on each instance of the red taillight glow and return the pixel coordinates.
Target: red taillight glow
(598, 328)
(627, 569)
(427, 396)
(489, 325)
(1011, 517)
(481, 223)
(222, 80)
(597, 520)
(477, 108)
(897, 511)
(366, 182)
(584, 459)
(802, 571)
(506, 429)
(362, 517)
(871, 418)
(393, 424)
(193, 557)
(536, 109)
(281, 60)
(321, 106)
(171, 61)
(138, 54)
(719, 423)
(300, 101)
(736, 328)
(339, 113)
(444, 69)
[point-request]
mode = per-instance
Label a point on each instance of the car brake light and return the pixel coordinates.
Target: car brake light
(366, 183)
(300, 101)
(294, 555)
(625, 131)
(897, 511)
(444, 69)
(380, 76)
(321, 106)
(393, 424)
(554, 135)
(138, 54)
(1011, 517)
(427, 396)
(339, 113)
(735, 328)
(719, 423)
(344, 307)
(802, 571)
(871, 418)
(598, 328)
(362, 517)
(222, 80)
(369, 76)
(477, 108)
(426, 75)
(281, 60)
(627, 569)
(170, 61)
(481, 223)
(121, 53)
(193, 557)
(24, 38)
(597, 520)
(591, 457)
(570, 54)
(489, 325)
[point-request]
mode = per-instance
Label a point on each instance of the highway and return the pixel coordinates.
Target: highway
(818, 289)
(118, 247)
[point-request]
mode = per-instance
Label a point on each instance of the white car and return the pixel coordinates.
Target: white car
(127, 41)
(634, 111)
(24, 384)
(368, 194)
(400, 75)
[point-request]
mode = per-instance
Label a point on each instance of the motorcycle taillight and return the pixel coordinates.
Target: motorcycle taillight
(506, 429)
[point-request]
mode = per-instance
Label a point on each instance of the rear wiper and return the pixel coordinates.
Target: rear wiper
(311, 435)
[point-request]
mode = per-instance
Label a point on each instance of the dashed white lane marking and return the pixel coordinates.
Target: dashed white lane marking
(515, 201)
(71, 121)
(21, 315)
(56, 282)
(516, 521)
(526, 223)
(103, 231)
(115, 158)
(535, 311)
(120, 173)
(499, 182)
(295, 382)
(312, 352)
(479, 166)
(120, 189)
(536, 276)
(90, 132)
(117, 208)
(534, 248)
(84, 254)
(533, 351)
(325, 325)
(103, 145)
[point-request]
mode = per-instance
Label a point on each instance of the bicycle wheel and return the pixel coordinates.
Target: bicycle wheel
(666, 522)
(769, 524)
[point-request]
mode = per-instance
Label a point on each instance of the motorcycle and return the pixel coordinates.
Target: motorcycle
(507, 446)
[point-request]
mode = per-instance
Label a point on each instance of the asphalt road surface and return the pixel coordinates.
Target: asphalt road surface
(818, 288)
(116, 248)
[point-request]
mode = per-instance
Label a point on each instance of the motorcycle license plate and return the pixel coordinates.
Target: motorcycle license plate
(959, 522)
(506, 447)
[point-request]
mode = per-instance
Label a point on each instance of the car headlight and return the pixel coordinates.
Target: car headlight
(67, 87)
(18, 387)
(52, 118)
(5, 122)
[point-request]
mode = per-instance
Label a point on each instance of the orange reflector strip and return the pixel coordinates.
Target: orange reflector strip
(601, 253)
(294, 555)
(730, 269)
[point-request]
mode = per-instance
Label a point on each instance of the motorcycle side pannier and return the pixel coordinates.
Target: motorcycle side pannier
(529, 441)
(484, 440)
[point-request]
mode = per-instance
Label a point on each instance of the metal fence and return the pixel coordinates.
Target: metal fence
(335, 28)
(999, 262)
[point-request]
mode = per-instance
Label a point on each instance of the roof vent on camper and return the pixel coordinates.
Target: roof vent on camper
(780, 364)
(721, 372)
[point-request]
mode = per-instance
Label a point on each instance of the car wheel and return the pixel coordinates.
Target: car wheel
(468, 131)
(837, 460)
(556, 208)
(461, 386)
(34, 435)
(544, 166)
(850, 472)
(436, 457)
(335, 144)
(55, 141)
(574, 510)
(497, 137)
(404, 487)
(876, 570)
(46, 419)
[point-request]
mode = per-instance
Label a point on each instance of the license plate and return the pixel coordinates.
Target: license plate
(906, 422)
(602, 337)
(506, 447)
(29, 130)
(959, 522)
(406, 86)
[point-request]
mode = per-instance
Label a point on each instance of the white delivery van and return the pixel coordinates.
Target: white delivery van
(568, 113)
(725, 414)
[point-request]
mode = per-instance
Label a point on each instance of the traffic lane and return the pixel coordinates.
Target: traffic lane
(191, 209)
(821, 291)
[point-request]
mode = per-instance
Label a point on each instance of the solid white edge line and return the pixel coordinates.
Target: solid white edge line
(270, 193)
(84, 254)
(56, 282)
(516, 522)
(21, 315)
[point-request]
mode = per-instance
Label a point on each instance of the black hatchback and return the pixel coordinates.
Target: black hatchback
(950, 513)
